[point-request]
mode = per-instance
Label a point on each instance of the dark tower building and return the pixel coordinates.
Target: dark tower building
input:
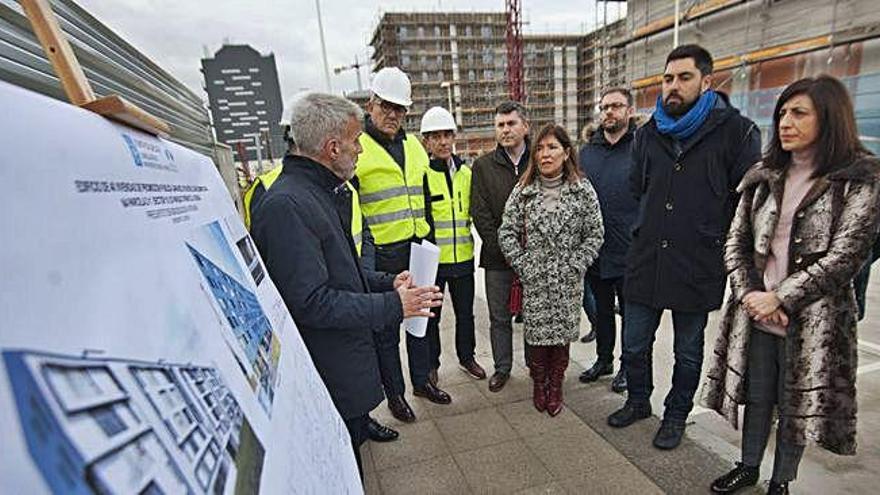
(245, 99)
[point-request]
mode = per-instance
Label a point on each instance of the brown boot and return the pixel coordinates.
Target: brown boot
(558, 358)
(538, 370)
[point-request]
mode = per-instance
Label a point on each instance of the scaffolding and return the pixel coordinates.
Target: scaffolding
(462, 57)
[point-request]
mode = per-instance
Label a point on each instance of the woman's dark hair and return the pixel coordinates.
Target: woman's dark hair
(837, 144)
(571, 172)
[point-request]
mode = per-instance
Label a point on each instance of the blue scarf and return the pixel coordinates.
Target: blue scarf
(685, 126)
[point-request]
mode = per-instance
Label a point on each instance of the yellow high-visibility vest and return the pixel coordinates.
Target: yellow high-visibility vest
(393, 202)
(263, 180)
(266, 180)
(452, 215)
(357, 219)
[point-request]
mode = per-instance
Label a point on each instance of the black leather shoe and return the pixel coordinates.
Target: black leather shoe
(628, 415)
(669, 434)
(589, 337)
(777, 488)
(380, 433)
(473, 369)
(497, 381)
(432, 393)
(738, 478)
(618, 384)
(401, 410)
(599, 368)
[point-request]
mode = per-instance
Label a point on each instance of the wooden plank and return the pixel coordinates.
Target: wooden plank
(58, 50)
(121, 110)
(73, 79)
(752, 57)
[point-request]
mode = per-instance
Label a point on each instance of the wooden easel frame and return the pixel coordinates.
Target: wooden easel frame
(73, 80)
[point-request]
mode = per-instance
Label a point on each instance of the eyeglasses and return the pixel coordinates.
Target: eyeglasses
(390, 108)
(612, 106)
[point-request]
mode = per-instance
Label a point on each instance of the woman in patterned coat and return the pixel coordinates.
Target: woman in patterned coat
(550, 233)
(805, 224)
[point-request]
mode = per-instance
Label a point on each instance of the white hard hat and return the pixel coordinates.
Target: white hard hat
(392, 85)
(437, 119)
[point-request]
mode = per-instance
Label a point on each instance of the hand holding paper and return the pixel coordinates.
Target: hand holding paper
(424, 259)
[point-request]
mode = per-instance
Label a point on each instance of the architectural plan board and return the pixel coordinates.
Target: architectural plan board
(143, 346)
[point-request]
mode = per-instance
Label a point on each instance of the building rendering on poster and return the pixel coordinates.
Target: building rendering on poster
(127, 426)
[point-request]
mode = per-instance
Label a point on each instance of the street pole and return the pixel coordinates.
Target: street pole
(448, 86)
(323, 48)
(675, 31)
(259, 154)
(357, 70)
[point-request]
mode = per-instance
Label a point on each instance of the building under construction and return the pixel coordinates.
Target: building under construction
(459, 61)
(760, 46)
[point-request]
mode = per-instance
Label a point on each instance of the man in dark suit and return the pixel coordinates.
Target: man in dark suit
(302, 228)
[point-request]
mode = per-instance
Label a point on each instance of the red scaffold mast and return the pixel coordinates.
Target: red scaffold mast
(514, 41)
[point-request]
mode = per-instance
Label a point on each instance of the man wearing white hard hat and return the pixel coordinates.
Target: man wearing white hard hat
(390, 177)
(448, 213)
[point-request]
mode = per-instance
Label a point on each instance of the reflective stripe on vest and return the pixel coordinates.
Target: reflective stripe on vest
(392, 202)
(271, 176)
(357, 219)
(451, 215)
(266, 179)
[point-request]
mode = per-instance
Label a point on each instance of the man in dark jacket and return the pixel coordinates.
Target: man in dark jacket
(301, 227)
(494, 175)
(606, 161)
(687, 162)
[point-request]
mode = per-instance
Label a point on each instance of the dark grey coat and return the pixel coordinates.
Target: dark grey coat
(301, 229)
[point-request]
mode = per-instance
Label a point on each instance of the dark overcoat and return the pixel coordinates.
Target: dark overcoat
(686, 192)
(301, 228)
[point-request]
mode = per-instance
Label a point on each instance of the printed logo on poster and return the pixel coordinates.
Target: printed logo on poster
(149, 152)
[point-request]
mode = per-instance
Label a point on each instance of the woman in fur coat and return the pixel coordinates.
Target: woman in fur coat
(805, 224)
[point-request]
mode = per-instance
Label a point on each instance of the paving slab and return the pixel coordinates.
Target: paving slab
(502, 468)
(475, 430)
(438, 476)
(418, 442)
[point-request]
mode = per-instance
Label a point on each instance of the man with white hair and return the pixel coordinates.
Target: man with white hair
(391, 182)
(302, 228)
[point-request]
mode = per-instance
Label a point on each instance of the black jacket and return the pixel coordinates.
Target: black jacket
(301, 227)
(445, 270)
(607, 166)
(687, 197)
(494, 176)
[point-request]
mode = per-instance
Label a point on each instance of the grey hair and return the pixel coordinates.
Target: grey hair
(317, 117)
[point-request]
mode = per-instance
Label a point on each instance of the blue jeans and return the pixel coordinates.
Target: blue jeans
(640, 328)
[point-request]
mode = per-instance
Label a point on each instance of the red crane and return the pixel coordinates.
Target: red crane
(515, 81)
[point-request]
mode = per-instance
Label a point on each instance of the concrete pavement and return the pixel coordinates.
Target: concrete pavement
(488, 442)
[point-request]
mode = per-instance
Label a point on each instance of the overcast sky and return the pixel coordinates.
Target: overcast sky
(176, 33)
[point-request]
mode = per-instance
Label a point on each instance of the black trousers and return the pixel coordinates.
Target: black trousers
(605, 291)
(388, 339)
(461, 291)
(765, 381)
(357, 430)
